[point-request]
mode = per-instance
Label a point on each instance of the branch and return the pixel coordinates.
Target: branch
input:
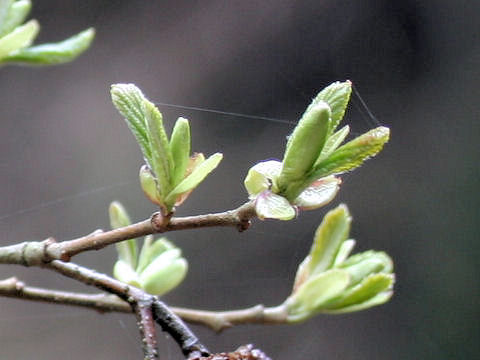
(37, 253)
(216, 320)
(147, 308)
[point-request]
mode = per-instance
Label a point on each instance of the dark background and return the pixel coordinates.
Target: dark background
(66, 153)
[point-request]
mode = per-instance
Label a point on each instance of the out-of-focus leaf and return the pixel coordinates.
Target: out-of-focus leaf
(53, 53)
(19, 38)
(262, 176)
(124, 272)
(127, 250)
(14, 15)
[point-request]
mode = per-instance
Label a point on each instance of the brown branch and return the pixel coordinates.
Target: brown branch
(216, 320)
(37, 253)
(147, 308)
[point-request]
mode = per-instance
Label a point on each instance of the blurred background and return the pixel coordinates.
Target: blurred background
(66, 153)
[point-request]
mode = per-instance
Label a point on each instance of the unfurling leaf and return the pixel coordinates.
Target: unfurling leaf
(127, 249)
(19, 38)
(269, 205)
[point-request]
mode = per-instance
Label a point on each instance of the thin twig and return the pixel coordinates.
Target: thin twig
(36, 253)
(216, 320)
(145, 306)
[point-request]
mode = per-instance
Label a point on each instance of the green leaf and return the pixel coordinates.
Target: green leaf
(262, 176)
(17, 13)
(344, 251)
(127, 250)
(333, 142)
(303, 148)
(124, 272)
(367, 289)
(330, 235)
(316, 291)
(162, 161)
(269, 205)
(195, 178)
(19, 38)
(149, 185)
(54, 53)
(366, 263)
(150, 250)
(379, 299)
(337, 96)
(5, 6)
(352, 154)
(128, 99)
(180, 148)
(164, 273)
(318, 194)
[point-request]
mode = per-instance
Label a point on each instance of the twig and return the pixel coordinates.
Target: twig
(36, 253)
(145, 306)
(216, 320)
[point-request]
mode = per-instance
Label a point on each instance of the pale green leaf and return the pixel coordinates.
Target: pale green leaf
(352, 154)
(149, 185)
(333, 142)
(54, 53)
(330, 235)
(262, 176)
(369, 262)
(344, 251)
(195, 178)
(150, 250)
(303, 148)
(164, 273)
(127, 249)
(19, 38)
(128, 100)
(318, 194)
(162, 162)
(269, 205)
(17, 13)
(317, 290)
(180, 148)
(5, 6)
(370, 287)
(337, 96)
(124, 272)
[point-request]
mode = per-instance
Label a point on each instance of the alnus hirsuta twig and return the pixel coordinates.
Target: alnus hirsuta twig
(102, 302)
(37, 253)
(148, 309)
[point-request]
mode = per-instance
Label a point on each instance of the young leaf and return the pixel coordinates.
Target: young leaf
(150, 250)
(318, 194)
(195, 178)
(124, 272)
(14, 15)
(370, 287)
(330, 235)
(379, 299)
(333, 142)
(352, 154)
(128, 99)
(5, 6)
(19, 38)
(180, 148)
(162, 162)
(316, 291)
(127, 250)
(269, 205)
(262, 176)
(337, 96)
(303, 148)
(54, 53)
